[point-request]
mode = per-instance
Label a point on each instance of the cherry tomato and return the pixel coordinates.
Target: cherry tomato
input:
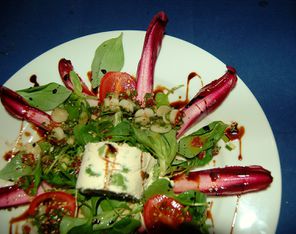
(116, 82)
(162, 213)
(57, 200)
(53, 201)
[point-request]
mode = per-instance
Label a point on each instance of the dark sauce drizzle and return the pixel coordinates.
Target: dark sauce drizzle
(209, 213)
(9, 155)
(181, 103)
(109, 158)
(235, 132)
(33, 80)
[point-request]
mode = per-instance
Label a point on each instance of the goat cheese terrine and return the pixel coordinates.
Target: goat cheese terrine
(118, 169)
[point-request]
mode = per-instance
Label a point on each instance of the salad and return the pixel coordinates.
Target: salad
(114, 158)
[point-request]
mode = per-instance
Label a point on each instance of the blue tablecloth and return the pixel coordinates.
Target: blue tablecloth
(257, 37)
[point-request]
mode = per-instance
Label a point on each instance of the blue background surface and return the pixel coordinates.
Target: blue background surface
(257, 37)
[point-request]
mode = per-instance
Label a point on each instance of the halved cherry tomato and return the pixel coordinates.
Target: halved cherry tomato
(57, 200)
(116, 82)
(162, 213)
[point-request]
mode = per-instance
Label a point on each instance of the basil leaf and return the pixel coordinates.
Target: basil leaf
(45, 97)
(15, 169)
(77, 88)
(109, 56)
(202, 139)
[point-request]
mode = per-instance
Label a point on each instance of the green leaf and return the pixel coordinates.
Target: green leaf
(188, 198)
(37, 176)
(44, 146)
(201, 140)
(85, 134)
(105, 219)
(190, 163)
(122, 132)
(15, 169)
(162, 99)
(77, 88)
(111, 204)
(45, 97)
(160, 186)
(162, 146)
(192, 198)
(75, 106)
(69, 223)
(125, 226)
(109, 56)
(91, 132)
(61, 178)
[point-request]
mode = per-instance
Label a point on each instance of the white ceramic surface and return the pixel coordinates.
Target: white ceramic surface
(256, 212)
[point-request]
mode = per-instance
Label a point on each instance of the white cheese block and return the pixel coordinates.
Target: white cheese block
(115, 168)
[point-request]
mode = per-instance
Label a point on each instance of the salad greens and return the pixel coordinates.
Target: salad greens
(59, 161)
(103, 214)
(163, 146)
(199, 148)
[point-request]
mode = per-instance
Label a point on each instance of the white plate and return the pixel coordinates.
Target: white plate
(257, 212)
